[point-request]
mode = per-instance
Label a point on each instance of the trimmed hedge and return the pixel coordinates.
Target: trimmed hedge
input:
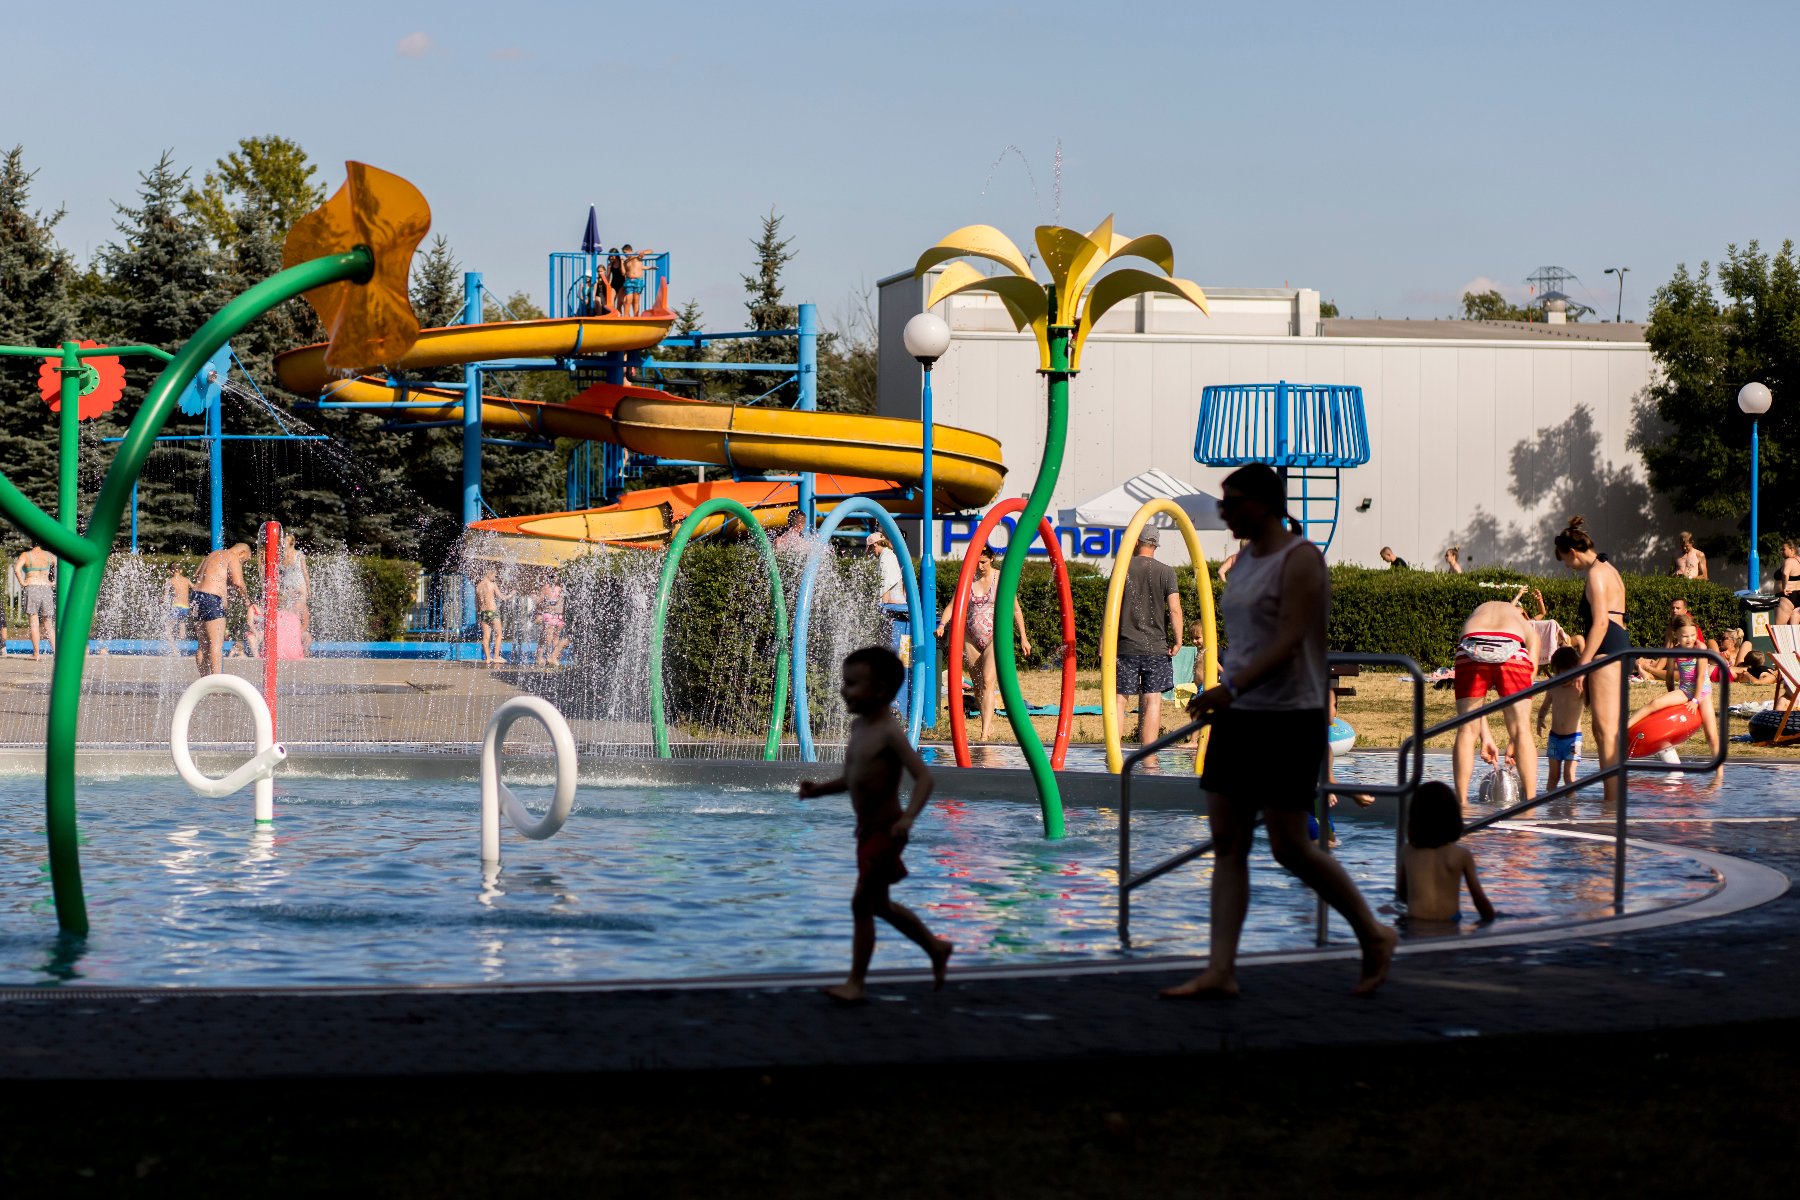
(1382, 611)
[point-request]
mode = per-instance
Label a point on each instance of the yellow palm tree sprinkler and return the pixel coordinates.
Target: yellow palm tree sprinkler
(1061, 322)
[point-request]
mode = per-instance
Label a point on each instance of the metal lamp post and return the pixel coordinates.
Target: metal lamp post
(1754, 398)
(927, 337)
(1618, 314)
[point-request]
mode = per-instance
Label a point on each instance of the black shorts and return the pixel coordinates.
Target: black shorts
(1142, 674)
(206, 607)
(1267, 758)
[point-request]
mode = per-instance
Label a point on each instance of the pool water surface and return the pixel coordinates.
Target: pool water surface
(379, 882)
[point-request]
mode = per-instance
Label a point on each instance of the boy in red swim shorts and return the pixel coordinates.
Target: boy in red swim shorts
(877, 753)
(1497, 651)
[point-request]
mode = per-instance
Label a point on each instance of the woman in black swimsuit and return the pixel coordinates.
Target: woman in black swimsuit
(1787, 585)
(1602, 614)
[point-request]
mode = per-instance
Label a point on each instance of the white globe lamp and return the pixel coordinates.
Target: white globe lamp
(926, 337)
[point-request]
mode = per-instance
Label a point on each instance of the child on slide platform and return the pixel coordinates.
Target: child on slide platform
(1436, 864)
(876, 755)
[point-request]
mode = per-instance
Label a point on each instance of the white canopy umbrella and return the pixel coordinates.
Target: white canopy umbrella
(1116, 507)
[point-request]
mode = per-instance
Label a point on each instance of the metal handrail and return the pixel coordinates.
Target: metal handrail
(1414, 748)
(1624, 661)
(1403, 788)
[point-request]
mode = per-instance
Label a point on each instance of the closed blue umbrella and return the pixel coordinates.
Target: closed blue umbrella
(590, 241)
(590, 246)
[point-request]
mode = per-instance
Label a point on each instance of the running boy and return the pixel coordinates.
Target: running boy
(1562, 705)
(873, 760)
(1436, 864)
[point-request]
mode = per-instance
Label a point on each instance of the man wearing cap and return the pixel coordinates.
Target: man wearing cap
(1151, 607)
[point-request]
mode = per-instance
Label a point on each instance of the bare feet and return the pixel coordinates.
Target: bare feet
(847, 993)
(940, 962)
(1210, 984)
(1376, 960)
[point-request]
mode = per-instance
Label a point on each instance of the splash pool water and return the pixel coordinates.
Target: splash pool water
(378, 882)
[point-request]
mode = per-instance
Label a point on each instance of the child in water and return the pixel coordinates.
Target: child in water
(1690, 682)
(1562, 705)
(1436, 864)
(873, 760)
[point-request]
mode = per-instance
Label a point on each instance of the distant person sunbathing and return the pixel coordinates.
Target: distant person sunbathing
(1453, 560)
(1690, 560)
(873, 759)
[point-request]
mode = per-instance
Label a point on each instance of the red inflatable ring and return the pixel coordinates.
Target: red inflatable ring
(1659, 730)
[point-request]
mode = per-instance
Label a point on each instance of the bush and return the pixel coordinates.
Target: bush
(1419, 613)
(389, 585)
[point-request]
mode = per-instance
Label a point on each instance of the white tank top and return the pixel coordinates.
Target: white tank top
(1252, 609)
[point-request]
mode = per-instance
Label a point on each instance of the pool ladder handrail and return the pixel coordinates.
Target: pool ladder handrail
(259, 769)
(496, 796)
(1413, 748)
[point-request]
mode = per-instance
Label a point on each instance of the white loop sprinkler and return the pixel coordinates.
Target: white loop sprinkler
(259, 770)
(494, 794)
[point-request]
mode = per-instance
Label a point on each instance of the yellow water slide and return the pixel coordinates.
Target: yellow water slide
(865, 453)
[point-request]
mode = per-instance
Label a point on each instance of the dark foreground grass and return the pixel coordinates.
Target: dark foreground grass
(1709, 1112)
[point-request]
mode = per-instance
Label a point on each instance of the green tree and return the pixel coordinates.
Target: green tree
(437, 286)
(36, 276)
(1708, 342)
(163, 281)
(848, 363)
(1329, 309)
(1491, 306)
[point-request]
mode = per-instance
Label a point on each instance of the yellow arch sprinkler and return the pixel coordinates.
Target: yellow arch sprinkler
(1060, 320)
(350, 258)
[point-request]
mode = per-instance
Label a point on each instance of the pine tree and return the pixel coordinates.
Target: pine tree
(163, 281)
(35, 310)
(437, 286)
(767, 308)
(246, 206)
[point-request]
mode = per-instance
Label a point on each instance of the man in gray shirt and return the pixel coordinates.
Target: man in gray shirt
(1150, 608)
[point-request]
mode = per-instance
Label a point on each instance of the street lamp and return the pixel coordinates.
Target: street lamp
(927, 337)
(1754, 398)
(1619, 313)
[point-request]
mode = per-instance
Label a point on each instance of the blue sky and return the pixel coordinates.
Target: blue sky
(1388, 155)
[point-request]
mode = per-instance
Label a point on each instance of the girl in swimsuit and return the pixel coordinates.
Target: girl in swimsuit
(550, 615)
(1690, 683)
(1602, 607)
(978, 644)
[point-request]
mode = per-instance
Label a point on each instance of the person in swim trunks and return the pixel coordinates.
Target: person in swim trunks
(1562, 707)
(180, 592)
(631, 265)
(487, 612)
(219, 571)
(1496, 652)
(978, 635)
(1602, 601)
(35, 573)
(874, 758)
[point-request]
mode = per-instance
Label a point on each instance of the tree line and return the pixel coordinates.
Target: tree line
(183, 247)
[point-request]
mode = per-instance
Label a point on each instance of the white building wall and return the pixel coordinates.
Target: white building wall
(1490, 444)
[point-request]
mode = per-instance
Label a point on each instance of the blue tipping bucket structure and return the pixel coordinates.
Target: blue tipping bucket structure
(1308, 432)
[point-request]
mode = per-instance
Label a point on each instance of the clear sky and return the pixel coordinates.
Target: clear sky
(1389, 155)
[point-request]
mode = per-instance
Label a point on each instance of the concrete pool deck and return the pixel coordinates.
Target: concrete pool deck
(1741, 966)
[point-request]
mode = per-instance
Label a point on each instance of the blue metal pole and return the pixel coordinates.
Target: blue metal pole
(925, 635)
(471, 432)
(215, 469)
(808, 360)
(1755, 561)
